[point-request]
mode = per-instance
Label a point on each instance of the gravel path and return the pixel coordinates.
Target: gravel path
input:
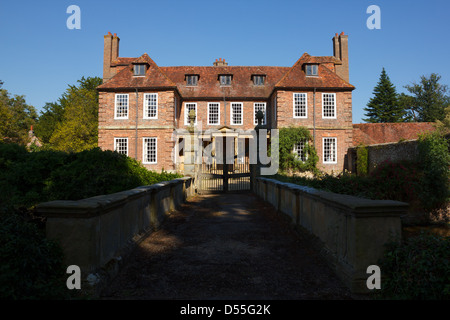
(226, 246)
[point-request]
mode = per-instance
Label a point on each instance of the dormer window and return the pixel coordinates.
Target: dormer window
(139, 69)
(258, 80)
(312, 70)
(225, 79)
(191, 80)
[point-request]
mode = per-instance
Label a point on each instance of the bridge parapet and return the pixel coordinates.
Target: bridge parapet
(96, 233)
(349, 231)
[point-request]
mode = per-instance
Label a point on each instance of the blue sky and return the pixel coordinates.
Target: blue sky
(40, 56)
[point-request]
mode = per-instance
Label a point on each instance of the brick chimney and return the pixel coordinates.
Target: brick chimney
(220, 63)
(107, 56)
(115, 47)
(340, 51)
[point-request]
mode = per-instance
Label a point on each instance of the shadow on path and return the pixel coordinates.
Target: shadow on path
(226, 246)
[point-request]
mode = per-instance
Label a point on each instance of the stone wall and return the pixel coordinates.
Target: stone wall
(96, 233)
(349, 231)
(378, 153)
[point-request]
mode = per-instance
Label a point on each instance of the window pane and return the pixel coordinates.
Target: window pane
(150, 150)
(257, 107)
(300, 105)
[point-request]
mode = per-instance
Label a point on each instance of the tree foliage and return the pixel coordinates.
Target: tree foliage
(384, 105)
(71, 124)
(16, 117)
(427, 100)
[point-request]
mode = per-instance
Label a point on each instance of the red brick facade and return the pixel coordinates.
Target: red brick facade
(173, 93)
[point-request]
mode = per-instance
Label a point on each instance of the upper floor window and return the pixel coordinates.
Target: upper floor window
(150, 106)
(329, 105)
(213, 113)
(121, 106)
(259, 106)
(139, 70)
(225, 80)
(258, 80)
(312, 69)
(187, 109)
(300, 105)
(236, 113)
(191, 80)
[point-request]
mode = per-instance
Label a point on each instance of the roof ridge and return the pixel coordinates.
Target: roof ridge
(305, 55)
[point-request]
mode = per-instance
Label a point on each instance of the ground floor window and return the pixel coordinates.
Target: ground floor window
(121, 145)
(150, 150)
(329, 150)
(300, 150)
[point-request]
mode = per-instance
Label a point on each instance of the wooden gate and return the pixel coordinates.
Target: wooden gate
(217, 176)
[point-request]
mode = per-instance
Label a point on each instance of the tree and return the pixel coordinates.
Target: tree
(78, 129)
(384, 106)
(48, 120)
(428, 99)
(16, 118)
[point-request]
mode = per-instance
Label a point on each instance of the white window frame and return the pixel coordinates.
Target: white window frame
(225, 76)
(145, 111)
(335, 150)
(312, 66)
(218, 113)
(186, 113)
(115, 105)
(145, 150)
(275, 109)
(194, 77)
(306, 105)
(115, 144)
(303, 143)
(139, 65)
(255, 122)
(231, 113)
(262, 80)
(323, 109)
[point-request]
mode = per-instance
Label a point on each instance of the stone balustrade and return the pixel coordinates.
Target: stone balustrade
(350, 231)
(95, 233)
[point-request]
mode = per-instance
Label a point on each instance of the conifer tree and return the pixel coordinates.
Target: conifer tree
(384, 106)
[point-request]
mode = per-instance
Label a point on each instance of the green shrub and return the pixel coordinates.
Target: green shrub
(434, 159)
(362, 160)
(418, 268)
(30, 265)
(28, 178)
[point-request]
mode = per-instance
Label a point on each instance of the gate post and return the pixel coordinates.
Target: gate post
(255, 169)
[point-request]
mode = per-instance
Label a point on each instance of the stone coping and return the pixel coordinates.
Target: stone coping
(352, 204)
(98, 205)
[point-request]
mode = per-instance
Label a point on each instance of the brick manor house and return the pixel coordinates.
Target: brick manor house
(141, 103)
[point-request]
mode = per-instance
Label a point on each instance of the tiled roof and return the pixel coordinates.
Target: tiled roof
(296, 77)
(154, 77)
(375, 133)
(241, 85)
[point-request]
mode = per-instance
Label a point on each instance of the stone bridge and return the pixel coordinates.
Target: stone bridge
(167, 242)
